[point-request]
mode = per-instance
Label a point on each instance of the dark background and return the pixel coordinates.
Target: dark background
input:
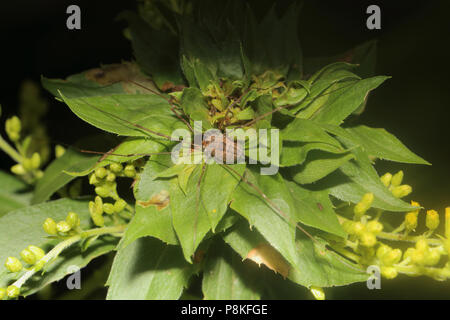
(413, 105)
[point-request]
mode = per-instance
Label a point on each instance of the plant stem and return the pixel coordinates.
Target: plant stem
(6, 147)
(401, 237)
(52, 254)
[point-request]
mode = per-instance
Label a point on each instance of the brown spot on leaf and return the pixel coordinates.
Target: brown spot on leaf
(198, 256)
(126, 73)
(266, 254)
(160, 200)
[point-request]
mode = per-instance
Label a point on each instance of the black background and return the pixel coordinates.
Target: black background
(413, 105)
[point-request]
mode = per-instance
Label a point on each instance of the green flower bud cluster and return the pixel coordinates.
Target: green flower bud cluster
(32, 256)
(71, 223)
(13, 126)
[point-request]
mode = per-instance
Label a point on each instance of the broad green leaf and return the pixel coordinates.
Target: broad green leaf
(315, 265)
(324, 79)
(55, 176)
(130, 149)
(227, 277)
(148, 269)
(153, 216)
(303, 130)
(341, 105)
(70, 260)
(263, 105)
(14, 193)
(23, 227)
(195, 106)
(359, 177)
(216, 189)
(295, 153)
(190, 218)
(314, 208)
(124, 78)
(139, 115)
(156, 51)
(277, 227)
(383, 145)
(318, 165)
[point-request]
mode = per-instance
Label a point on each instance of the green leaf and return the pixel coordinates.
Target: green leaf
(156, 51)
(227, 277)
(23, 227)
(319, 165)
(153, 216)
(304, 130)
(190, 219)
(14, 193)
(124, 78)
(314, 264)
(148, 269)
(139, 115)
(216, 189)
(295, 153)
(195, 106)
(55, 176)
(383, 145)
(130, 149)
(341, 105)
(263, 105)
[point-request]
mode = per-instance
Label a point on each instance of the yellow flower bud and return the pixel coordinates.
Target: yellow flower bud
(50, 226)
(383, 250)
(432, 219)
(447, 222)
(73, 220)
(411, 221)
(93, 179)
(101, 172)
(397, 179)
(409, 253)
(119, 205)
(28, 256)
(363, 205)
(18, 169)
(374, 227)
(392, 257)
(12, 292)
(418, 257)
(35, 160)
(358, 228)
(13, 127)
(2, 293)
(401, 191)
(27, 164)
(130, 171)
(63, 226)
(386, 179)
(108, 208)
(59, 150)
(389, 272)
(317, 292)
(422, 245)
(111, 177)
(13, 264)
(368, 239)
(102, 192)
(38, 252)
(432, 257)
(98, 220)
(116, 167)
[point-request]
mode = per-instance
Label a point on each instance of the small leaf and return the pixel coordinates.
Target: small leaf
(195, 106)
(14, 193)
